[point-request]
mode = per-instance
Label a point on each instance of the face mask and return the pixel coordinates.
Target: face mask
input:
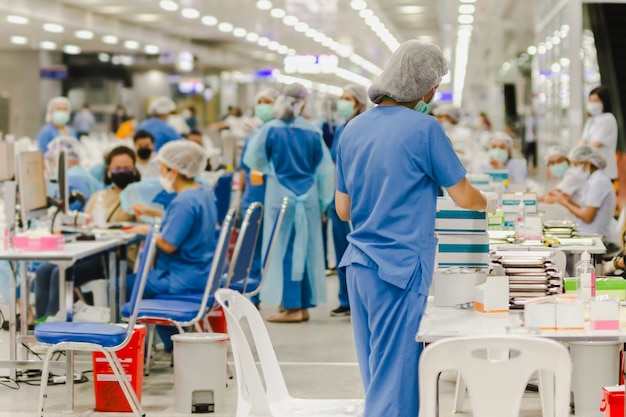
(264, 111)
(422, 107)
(559, 170)
(60, 117)
(122, 179)
(345, 108)
(594, 108)
(499, 154)
(144, 153)
(167, 184)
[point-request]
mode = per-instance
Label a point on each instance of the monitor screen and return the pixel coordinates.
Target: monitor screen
(32, 184)
(7, 161)
(64, 192)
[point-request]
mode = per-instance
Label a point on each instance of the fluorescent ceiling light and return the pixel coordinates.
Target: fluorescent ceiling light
(278, 13)
(467, 8)
(310, 32)
(365, 13)
(71, 49)
(151, 49)
(169, 5)
(209, 20)
(290, 20)
(564, 62)
(541, 49)
(301, 27)
(468, 1)
(18, 20)
(410, 9)
(372, 20)
(283, 50)
(273, 46)
(506, 66)
(147, 17)
(104, 57)
(239, 32)
(264, 5)
(189, 13)
(84, 34)
(225, 27)
(110, 39)
(252, 37)
(555, 67)
(466, 19)
(263, 41)
(358, 4)
(19, 40)
(532, 50)
(48, 45)
(53, 27)
(131, 44)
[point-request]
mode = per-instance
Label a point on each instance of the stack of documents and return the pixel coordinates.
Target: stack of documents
(559, 229)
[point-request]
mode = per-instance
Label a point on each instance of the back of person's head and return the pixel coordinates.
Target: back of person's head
(586, 153)
(142, 134)
(269, 93)
(161, 106)
(86, 106)
(291, 102)
(413, 70)
(195, 136)
(449, 111)
(605, 96)
(186, 156)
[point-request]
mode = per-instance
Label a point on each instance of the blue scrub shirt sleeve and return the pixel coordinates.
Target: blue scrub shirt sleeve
(340, 183)
(445, 167)
(177, 222)
(255, 156)
(44, 137)
(325, 179)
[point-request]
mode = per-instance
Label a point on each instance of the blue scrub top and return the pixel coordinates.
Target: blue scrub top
(82, 181)
(333, 149)
(161, 131)
(251, 193)
(48, 132)
(391, 161)
(189, 224)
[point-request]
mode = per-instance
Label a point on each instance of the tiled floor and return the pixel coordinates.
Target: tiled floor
(317, 359)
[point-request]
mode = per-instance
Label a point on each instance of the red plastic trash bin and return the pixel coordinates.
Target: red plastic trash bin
(613, 401)
(109, 394)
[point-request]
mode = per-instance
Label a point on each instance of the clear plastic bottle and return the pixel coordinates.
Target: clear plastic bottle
(520, 223)
(585, 278)
(99, 214)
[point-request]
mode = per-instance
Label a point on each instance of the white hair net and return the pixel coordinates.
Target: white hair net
(161, 105)
(186, 156)
(584, 153)
(556, 151)
(270, 93)
(413, 70)
(291, 102)
(451, 112)
(69, 144)
(52, 104)
(359, 93)
(501, 137)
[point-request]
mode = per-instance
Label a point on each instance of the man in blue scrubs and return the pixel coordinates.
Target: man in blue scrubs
(390, 162)
(157, 125)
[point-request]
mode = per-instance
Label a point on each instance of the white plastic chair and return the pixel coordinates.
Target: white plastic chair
(253, 399)
(496, 383)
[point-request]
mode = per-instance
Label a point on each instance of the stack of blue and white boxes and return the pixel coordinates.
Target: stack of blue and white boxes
(462, 253)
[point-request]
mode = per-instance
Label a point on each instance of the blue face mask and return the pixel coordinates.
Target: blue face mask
(499, 154)
(559, 170)
(264, 111)
(345, 108)
(422, 106)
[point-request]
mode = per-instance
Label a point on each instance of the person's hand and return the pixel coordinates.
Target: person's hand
(492, 202)
(495, 164)
(141, 229)
(141, 210)
(561, 198)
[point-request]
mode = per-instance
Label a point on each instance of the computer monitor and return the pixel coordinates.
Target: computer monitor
(62, 182)
(7, 160)
(32, 185)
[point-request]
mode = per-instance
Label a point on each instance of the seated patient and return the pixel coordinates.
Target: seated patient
(571, 179)
(120, 171)
(501, 157)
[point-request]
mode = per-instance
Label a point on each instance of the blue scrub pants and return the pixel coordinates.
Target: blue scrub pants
(341, 230)
(385, 319)
(296, 294)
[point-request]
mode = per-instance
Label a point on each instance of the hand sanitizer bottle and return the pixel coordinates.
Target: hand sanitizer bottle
(586, 276)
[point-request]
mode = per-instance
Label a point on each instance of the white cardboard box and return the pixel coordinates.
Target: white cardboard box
(450, 290)
(469, 250)
(570, 315)
(511, 202)
(454, 219)
(493, 295)
(540, 315)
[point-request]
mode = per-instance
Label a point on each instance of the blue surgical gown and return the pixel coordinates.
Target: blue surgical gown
(161, 131)
(48, 132)
(296, 164)
(251, 193)
(188, 224)
(82, 181)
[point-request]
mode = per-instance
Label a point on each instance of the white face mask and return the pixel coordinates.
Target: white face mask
(167, 184)
(594, 108)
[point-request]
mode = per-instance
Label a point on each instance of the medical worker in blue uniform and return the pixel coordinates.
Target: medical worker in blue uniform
(296, 163)
(187, 241)
(390, 162)
(157, 125)
(57, 118)
(353, 101)
(254, 182)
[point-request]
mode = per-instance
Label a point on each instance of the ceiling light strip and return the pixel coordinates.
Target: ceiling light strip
(375, 24)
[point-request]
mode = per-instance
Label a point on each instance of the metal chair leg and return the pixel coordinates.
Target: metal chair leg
(45, 373)
(127, 388)
(148, 360)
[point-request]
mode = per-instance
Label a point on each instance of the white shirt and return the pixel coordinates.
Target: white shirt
(599, 193)
(603, 129)
(148, 169)
(573, 183)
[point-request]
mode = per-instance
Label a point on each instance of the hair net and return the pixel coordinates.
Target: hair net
(52, 104)
(584, 153)
(359, 92)
(502, 137)
(161, 105)
(183, 155)
(556, 151)
(413, 70)
(451, 112)
(63, 143)
(291, 102)
(269, 92)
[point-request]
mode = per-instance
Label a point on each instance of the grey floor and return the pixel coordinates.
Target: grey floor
(317, 359)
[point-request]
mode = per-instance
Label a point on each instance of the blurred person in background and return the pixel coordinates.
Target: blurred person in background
(147, 166)
(157, 125)
(57, 119)
(84, 121)
(191, 118)
(600, 130)
(501, 157)
(127, 128)
(571, 180)
(117, 118)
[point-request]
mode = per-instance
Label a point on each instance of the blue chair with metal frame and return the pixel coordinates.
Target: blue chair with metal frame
(223, 191)
(98, 337)
(175, 310)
